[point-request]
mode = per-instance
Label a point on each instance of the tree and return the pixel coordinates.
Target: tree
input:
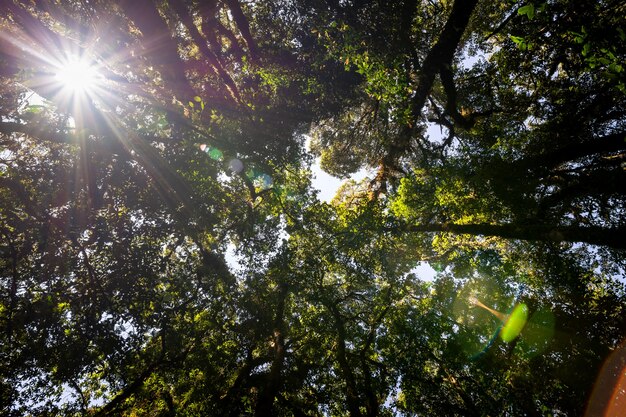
(449, 342)
(162, 251)
(534, 84)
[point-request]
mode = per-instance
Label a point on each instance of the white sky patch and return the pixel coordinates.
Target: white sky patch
(436, 132)
(327, 184)
(424, 272)
(232, 259)
(469, 61)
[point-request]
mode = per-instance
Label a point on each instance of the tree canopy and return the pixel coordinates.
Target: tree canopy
(164, 253)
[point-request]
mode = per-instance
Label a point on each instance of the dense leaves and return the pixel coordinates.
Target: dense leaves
(163, 252)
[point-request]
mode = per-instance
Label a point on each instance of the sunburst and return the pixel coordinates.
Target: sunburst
(77, 76)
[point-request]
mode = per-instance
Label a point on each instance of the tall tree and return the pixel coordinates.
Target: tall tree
(162, 251)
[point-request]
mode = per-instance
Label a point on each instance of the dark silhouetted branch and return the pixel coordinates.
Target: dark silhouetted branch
(533, 232)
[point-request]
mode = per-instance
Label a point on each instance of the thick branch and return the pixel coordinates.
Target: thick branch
(270, 390)
(35, 131)
(159, 45)
(244, 27)
(372, 403)
(502, 24)
(243, 374)
(202, 44)
(534, 232)
(136, 385)
(442, 52)
(352, 397)
(449, 87)
(597, 183)
(128, 391)
(606, 144)
(211, 26)
(234, 46)
(439, 57)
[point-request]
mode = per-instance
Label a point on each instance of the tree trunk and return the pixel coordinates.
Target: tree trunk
(187, 21)
(352, 397)
(442, 52)
(265, 402)
(159, 45)
(244, 27)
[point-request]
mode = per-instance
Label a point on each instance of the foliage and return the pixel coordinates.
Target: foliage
(163, 252)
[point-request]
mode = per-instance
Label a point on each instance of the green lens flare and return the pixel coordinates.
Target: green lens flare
(515, 323)
(215, 154)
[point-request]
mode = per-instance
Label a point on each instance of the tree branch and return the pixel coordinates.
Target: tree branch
(606, 144)
(202, 44)
(594, 235)
(269, 392)
(442, 52)
(159, 45)
(244, 27)
(352, 397)
(36, 131)
(447, 80)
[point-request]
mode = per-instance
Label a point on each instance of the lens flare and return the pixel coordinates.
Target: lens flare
(608, 398)
(235, 166)
(532, 333)
(515, 323)
(77, 75)
(537, 334)
(213, 153)
(261, 180)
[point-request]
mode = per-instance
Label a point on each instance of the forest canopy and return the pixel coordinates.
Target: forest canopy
(163, 251)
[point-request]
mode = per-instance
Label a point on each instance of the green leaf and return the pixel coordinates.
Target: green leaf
(191, 104)
(586, 49)
(528, 10)
(518, 40)
(198, 99)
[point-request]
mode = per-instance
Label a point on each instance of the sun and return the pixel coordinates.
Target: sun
(77, 75)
